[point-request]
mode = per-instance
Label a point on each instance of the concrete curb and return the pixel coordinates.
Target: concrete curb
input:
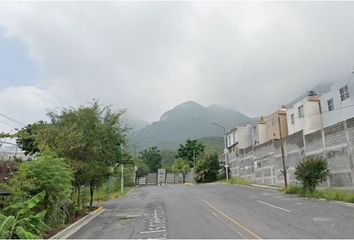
(252, 185)
(130, 191)
(73, 228)
(265, 186)
(189, 184)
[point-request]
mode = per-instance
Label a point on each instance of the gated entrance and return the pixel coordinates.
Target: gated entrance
(162, 178)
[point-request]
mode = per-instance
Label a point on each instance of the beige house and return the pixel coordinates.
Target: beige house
(305, 115)
(268, 127)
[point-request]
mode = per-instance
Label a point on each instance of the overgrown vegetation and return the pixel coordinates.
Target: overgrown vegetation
(207, 168)
(237, 181)
(25, 219)
(78, 152)
(328, 194)
(46, 174)
(310, 172)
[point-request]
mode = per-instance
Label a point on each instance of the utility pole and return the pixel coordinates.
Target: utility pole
(122, 180)
(285, 174)
(122, 169)
(194, 157)
(225, 151)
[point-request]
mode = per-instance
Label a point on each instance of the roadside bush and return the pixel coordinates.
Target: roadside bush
(207, 168)
(293, 189)
(51, 175)
(25, 223)
(311, 171)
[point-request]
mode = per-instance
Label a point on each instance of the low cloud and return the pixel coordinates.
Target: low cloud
(149, 56)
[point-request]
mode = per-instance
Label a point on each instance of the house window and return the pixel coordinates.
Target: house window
(344, 93)
(292, 118)
(301, 111)
(320, 107)
(273, 124)
(229, 140)
(330, 105)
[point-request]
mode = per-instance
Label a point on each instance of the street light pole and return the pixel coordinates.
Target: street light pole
(225, 151)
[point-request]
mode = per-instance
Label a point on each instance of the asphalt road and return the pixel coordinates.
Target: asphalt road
(218, 211)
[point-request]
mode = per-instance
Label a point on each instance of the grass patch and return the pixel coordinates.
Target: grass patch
(106, 191)
(328, 194)
(237, 181)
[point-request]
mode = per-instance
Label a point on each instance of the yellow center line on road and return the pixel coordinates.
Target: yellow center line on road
(232, 220)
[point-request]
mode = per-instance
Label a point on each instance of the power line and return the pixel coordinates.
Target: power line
(9, 124)
(14, 144)
(13, 120)
(26, 89)
(9, 79)
(20, 85)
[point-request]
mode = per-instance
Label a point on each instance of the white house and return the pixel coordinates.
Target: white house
(338, 103)
(239, 137)
(305, 115)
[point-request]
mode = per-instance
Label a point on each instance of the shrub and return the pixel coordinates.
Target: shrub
(294, 189)
(311, 171)
(207, 168)
(51, 175)
(25, 224)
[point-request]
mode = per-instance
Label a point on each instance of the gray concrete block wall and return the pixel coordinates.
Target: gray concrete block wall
(313, 141)
(263, 163)
(350, 130)
(294, 142)
(335, 135)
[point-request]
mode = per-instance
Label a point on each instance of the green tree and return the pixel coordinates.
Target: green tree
(86, 136)
(51, 175)
(311, 171)
(143, 168)
(96, 174)
(207, 168)
(152, 157)
(181, 166)
(26, 137)
(190, 150)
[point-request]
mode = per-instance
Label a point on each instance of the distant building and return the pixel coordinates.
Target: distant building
(305, 115)
(267, 128)
(239, 137)
(261, 131)
(338, 103)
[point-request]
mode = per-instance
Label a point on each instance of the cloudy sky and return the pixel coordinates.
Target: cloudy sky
(150, 56)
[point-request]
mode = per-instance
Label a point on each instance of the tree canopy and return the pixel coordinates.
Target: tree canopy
(152, 157)
(26, 137)
(88, 137)
(190, 150)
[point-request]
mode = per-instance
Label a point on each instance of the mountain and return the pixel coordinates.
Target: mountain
(187, 120)
(212, 144)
